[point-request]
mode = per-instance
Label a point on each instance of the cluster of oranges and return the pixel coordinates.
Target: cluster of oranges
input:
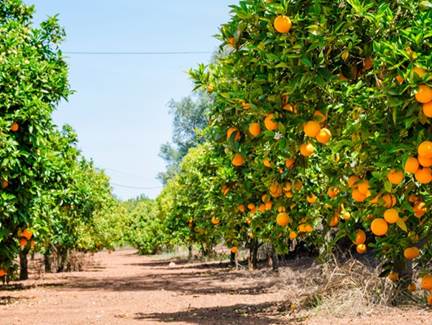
(314, 129)
(26, 237)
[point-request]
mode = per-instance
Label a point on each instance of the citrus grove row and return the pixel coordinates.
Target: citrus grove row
(52, 200)
(319, 136)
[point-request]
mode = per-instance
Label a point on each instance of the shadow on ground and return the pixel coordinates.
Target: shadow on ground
(258, 314)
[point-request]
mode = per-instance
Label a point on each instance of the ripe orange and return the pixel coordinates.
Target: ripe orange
(393, 276)
(363, 187)
(424, 161)
(358, 196)
(236, 132)
(334, 221)
(411, 253)
(4, 184)
(311, 199)
(361, 248)
(360, 237)
(225, 190)
(215, 221)
(399, 79)
(282, 24)
(425, 149)
(308, 228)
(419, 71)
(238, 160)
(14, 127)
(242, 208)
(426, 282)
(267, 163)
(312, 128)
(2, 272)
(289, 163)
(319, 117)
(411, 165)
(269, 122)
(27, 234)
(324, 136)
(352, 180)
(268, 205)
(427, 109)
(275, 190)
(283, 219)
(245, 105)
(389, 200)
(292, 235)
(234, 250)
(23, 243)
(307, 149)
(262, 208)
(420, 209)
(289, 194)
(231, 41)
(210, 88)
(333, 191)
(287, 187)
(429, 299)
(254, 129)
(379, 227)
(391, 216)
(424, 175)
(395, 176)
(251, 206)
(298, 185)
(424, 94)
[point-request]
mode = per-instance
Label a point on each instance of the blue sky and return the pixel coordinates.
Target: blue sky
(120, 107)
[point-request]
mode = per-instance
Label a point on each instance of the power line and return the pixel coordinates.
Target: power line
(135, 53)
(137, 187)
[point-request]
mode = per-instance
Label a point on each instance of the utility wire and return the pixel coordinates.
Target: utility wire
(137, 187)
(136, 53)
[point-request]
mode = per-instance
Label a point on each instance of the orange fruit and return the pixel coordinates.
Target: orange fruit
(424, 175)
(269, 122)
(411, 165)
(360, 237)
(238, 160)
(413, 198)
(251, 206)
(368, 63)
(289, 163)
(389, 200)
(393, 276)
(379, 227)
(215, 221)
(346, 215)
(268, 205)
(411, 253)
(210, 89)
(307, 149)
(334, 221)
(225, 190)
(361, 248)
(425, 149)
(427, 109)
(399, 79)
(352, 180)
(245, 105)
(231, 41)
(358, 196)
(308, 228)
(234, 250)
(363, 187)
(275, 190)
(287, 187)
(261, 208)
(429, 299)
(312, 128)
(420, 209)
(311, 199)
(23, 243)
(254, 129)
(426, 282)
(282, 24)
(424, 94)
(14, 127)
(298, 185)
(333, 191)
(319, 117)
(27, 234)
(4, 184)
(395, 176)
(267, 163)
(265, 198)
(424, 161)
(241, 208)
(289, 194)
(236, 132)
(391, 216)
(2, 272)
(292, 235)
(419, 71)
(283, 219)
(324, 136)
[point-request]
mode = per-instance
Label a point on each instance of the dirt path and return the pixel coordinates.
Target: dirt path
(123, 288)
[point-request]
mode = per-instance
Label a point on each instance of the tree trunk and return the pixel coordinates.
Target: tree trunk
(253, 255)
(274, 259)
(63, 253)
(23, 265)
(47, 262)
(190, 252)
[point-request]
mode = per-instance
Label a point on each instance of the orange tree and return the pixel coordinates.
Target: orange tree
(325, 105)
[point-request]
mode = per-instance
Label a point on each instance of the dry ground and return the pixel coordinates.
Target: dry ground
(123, 288)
